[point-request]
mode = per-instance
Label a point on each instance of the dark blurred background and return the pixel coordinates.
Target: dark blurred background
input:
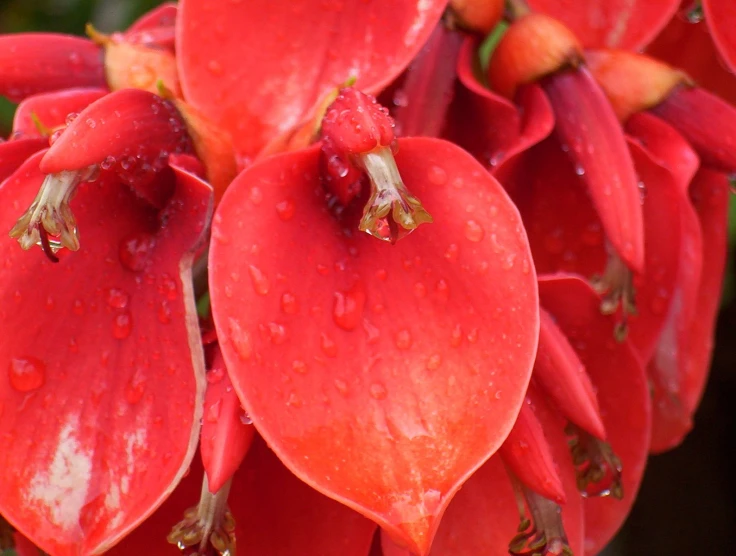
(687, 504)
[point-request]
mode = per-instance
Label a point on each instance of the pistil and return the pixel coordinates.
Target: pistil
(597, 467)
(208, 528)
(49, 222)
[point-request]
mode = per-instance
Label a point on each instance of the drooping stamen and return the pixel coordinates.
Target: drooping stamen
(391, 212)
(542, 533)
(49, 222)
(359, 130)
(616, 285)
(597, 467)
(208, 526)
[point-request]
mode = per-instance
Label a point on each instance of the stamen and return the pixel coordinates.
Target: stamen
(541, 534)
(49, 222)
(597, 467)
(617, 288)
(208, 528)
(391, 212)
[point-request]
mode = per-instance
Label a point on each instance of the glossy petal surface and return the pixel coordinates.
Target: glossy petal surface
(32, 63)
(482, 518)
(408, 362)
(623, 394)
(234, 57)
(92, 348)
(628, 24)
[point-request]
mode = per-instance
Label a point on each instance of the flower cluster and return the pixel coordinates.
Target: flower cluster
(306, 270)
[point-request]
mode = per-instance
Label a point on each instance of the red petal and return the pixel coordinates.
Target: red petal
(415, 408)
(562, 376)
(122, 124)
(689, 46)
(623, 395)
(489, 126)
(528, 455)
(32, 63)
(94, 435)
(275, 514)
(687, 108)
(160, 16)
(720, 17)
(226, 435)
(424, 94)
(482, 518)
(299, 54)
(14, 153)
(590, 133)
(627, 24)
(52, 109)
(665, 146)
(674, 406)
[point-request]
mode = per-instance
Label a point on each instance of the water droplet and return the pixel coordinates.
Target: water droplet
(381, 274)
(473, 336)
(213, 412)
(261, 285)
(240, 340)
(215, 375)
(420, 290)
(437, 175)
(294, 401)
(256, 196)
(164, 312)
(451, 252)
(525, 267)
(329, 348)
(91, 123)
(277, 333)
(508, 261)
(341, 386)
(434, 362)
(378, 391)
(167, 287)
(579, 170)
(473, 231)
(135, 388)
(136, 250)
(442, 289)
(347, 311)
(215, 67)
(497, 395)
(245, 419)
(456, 338)
(289, 304)
(285, 209)
(403, 339)
(78, 307)
(26, 373)
(299, 367)
(117, 298)
(122, 325)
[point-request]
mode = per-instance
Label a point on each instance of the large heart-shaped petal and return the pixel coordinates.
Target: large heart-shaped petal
(236, 58)
(103, 376)
(483, 518)
(628, 24)
(381, 375)
(623, 394)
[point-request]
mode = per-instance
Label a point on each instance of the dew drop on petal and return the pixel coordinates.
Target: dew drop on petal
(289, 304)
(136, 250)
(294, 401)
(347, 310)
(240, 340)
(473, 231)
(215, 375)
(437, 175)
(285, 209)
(403, 339)
(135, 388)
(329, 347)
(434, 362)
(26, 373)
(117, 298)
(277, 333)
(456, 338)
(341, 386)
(378, 391)
(261, 284)
(299, 366)
(122, 325)
(164, 312)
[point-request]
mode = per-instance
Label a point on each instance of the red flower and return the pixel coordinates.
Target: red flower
(383, 375)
